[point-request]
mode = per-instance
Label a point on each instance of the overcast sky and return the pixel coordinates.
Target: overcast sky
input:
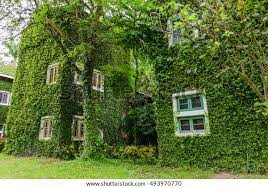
(4, 34)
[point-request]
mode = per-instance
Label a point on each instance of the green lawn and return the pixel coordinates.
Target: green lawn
(41, 168)
(18, 167)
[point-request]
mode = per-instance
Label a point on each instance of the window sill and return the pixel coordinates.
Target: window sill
(44, 139)
(78, 139)
(191, 134)
(191, 113)
(97, 89)
(4, 104)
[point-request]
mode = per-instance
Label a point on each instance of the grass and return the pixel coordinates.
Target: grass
(41, 168)
(12, 167)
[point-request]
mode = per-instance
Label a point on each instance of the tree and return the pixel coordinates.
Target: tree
(12, 51)
(236, 29)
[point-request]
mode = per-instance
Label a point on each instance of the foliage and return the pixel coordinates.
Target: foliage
(12, 51)
(33, 98)
(139, 123)
(146, 154)
(237, 28)
(237, 140)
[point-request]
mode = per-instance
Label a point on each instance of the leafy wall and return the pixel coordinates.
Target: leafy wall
(238, 135)
(5, 86)
(33, 98)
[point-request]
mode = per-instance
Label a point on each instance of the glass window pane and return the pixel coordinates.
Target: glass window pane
(81, 130)
(99, 81)
(75, 128)
(94, 80)
(196, 102)
(183, 104)
(198, 124)
(185, 125)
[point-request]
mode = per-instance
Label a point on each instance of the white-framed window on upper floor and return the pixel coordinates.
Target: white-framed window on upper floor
(46, 126)
(190, 113)
(177, 36)
(52, 74)
(77, 78)
(98, 81)
(5, 98)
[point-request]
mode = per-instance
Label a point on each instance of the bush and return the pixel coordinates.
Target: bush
(146, 154)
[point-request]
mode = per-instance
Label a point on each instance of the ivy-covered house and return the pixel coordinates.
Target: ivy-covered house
(204, 118)
(46, 114)
(5, 96)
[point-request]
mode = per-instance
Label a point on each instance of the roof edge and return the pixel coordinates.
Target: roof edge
(7, 76)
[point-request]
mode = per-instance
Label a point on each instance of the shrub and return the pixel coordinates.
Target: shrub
(146, 154)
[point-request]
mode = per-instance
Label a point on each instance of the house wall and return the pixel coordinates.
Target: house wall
(238, 135)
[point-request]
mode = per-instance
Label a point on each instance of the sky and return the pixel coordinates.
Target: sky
(4, 34)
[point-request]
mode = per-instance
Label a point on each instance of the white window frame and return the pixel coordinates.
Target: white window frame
(77, 81)
(79, 119)
(55, 68)
(8, 96)
(190, 113)
(79, 138)
(50, 128)
(99, 81)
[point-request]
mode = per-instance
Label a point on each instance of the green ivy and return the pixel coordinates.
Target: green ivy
(238, 134)
(33, 98)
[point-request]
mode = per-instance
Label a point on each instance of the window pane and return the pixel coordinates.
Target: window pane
(49, 128)
(183, 104)
(99, 81)
(94, 80)
(4, 97)
(185, 125)
(45, 129)
(196, 102)
(75, 131)
(55, 74)
(198, 124)
(81, 130)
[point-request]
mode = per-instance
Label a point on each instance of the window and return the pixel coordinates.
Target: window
(190, 103)
(191, 124)
(98, 81)
(78, 129)
(46, 128)
(4, 98)
(52, 74)
(77, 79)
(191, 114)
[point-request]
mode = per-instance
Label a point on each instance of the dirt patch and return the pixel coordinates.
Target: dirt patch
(223, 175)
